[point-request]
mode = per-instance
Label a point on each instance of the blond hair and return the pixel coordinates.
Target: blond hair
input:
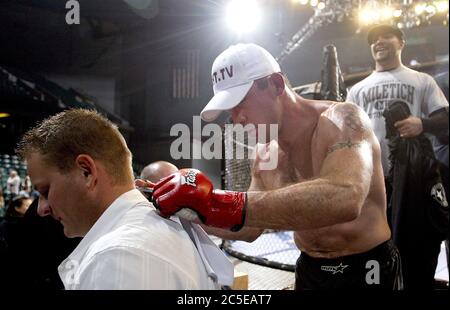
(64, 136)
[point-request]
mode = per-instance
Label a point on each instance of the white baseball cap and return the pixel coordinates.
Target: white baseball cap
(233, 73)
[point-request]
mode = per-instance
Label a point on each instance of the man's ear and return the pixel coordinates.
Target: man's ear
(278, 81)
(87, 167)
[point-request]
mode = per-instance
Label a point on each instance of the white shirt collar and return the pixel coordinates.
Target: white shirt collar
(107, 220)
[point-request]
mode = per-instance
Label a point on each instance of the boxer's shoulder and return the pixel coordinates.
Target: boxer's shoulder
(341, 122)
(344, 117)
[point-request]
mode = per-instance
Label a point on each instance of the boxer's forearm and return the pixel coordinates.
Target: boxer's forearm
(308, 205)
(248, 234)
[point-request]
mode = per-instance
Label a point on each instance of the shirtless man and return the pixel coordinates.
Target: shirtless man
(328, 186)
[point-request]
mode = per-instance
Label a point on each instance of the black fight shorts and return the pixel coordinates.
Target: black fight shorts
(378, 268)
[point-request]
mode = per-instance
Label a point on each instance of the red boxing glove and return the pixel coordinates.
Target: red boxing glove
(190, 188)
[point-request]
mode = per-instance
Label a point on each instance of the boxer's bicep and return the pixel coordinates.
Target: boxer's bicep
(348, 155)
(349, 162)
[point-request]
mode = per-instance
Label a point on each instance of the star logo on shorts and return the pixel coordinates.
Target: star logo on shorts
(335, 269)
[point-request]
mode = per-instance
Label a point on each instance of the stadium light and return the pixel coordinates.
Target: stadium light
(387, 12)
(243, 16)
(419, 8)
(397, 13)
(442, 6)
(430, 9)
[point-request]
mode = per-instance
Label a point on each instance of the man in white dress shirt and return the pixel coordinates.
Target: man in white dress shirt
(81, 165)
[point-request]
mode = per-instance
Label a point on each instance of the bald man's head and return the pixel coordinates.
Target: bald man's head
(158, 170)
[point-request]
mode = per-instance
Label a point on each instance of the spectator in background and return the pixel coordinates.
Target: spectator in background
(13, 183)
(157, 170)
(14, 258)
(154, 172)
(2, 203)
(26, 186)
(46, 247)
(392, 82)
(18, 206)
(32, 247)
